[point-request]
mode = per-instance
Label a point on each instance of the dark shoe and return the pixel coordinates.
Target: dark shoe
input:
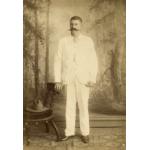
(85, 139)
(66, 138)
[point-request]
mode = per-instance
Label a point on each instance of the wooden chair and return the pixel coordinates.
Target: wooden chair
(45, 116)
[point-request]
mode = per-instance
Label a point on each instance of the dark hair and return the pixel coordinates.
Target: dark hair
(76, 18)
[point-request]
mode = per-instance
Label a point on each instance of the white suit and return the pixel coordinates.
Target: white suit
(76, 64)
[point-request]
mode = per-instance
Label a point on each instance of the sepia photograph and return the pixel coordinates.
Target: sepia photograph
(74, 74)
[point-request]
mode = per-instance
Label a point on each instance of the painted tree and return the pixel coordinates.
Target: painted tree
(34, 36)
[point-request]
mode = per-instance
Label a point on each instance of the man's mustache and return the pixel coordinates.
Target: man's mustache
(71, 29)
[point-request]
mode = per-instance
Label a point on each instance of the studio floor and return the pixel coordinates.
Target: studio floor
(100, 139)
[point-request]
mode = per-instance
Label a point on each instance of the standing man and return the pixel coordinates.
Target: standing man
(75, 66)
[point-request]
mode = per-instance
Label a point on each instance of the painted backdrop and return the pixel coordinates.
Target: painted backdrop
(46, 21)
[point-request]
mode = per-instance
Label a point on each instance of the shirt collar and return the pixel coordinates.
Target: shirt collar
(79, 37)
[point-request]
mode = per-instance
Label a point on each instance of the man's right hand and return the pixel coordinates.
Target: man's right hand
(58, 86)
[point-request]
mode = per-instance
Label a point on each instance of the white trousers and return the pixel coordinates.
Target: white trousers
(77, 93)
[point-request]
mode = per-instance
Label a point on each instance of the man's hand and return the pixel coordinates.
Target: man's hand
(90, 84)
(58, 86)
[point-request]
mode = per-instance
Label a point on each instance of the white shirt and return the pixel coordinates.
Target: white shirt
(75, 59)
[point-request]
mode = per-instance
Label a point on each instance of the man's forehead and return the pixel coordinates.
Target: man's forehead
(75, 21)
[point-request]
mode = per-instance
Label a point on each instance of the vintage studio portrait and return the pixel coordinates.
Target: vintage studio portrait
(74, 80)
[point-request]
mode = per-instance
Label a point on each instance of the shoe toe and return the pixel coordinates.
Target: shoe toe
(85, 139)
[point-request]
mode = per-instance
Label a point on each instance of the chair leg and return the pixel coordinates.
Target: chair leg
(47, 126)
(56, 130)
(27, 133)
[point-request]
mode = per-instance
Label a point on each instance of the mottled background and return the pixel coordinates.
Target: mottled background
(46, 21)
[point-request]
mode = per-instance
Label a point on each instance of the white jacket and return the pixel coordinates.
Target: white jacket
(75, 60)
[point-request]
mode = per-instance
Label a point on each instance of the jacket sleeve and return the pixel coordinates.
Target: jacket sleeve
(93, 62)
(58, 63)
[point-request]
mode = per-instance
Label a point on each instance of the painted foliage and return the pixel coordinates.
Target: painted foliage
(46, 21)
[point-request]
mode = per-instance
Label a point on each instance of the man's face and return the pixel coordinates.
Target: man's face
(75, 25)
